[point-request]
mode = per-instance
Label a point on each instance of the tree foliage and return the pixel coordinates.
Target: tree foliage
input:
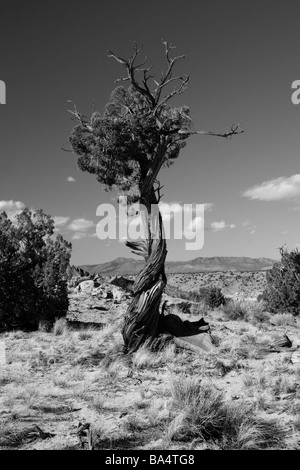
(282, 293)
(120, 146)
(33, 264)
(212, 296)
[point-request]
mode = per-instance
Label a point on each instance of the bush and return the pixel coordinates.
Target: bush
(202, 413)
(247, 310)
(282, 293)
(212, 296)
(33, 264)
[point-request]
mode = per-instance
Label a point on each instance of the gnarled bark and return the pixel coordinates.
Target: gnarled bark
(142, 316)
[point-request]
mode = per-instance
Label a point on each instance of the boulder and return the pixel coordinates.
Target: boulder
(122, 282)
(118, 294)
(86, 286)
(102, 292)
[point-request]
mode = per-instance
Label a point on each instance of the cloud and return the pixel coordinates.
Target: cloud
(208, 207)
(79, 235)
(219, 226)
(81, 225)
(249, 227)
(194, 227)
(196, 224)
(60, 221)
(12, 208)
(169, 209)
(276, 189)
(70, 179)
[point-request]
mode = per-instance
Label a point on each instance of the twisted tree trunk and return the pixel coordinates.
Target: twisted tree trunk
(142, 316)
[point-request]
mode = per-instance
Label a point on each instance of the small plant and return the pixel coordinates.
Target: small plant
(212, 296)
(60, 327)
(235, 310)
(283, 319)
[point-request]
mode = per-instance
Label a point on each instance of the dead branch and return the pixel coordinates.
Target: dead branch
(66, 150)
(84, 120)
(235, 130)
(154, 96)
(158, 191)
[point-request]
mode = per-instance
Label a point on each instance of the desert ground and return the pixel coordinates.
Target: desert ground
(243, 394)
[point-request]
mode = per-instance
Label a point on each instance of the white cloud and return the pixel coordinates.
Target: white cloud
(70, 179)
(196, 224)
(208, 207)
(248, 226)
(276, 189)
(193, 227)
(12, 208)
(79, 235)
(81, 225)
(169, 209)
(60, 221)
(219, 226)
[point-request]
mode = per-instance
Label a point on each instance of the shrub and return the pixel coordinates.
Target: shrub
(212, 296)
(247, 310)
(60, 327)
(282, 293)
(33, 283)
(202, 412)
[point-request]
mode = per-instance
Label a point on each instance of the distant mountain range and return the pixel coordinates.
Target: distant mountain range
(122, 266)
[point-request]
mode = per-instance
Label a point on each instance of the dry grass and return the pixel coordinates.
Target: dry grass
(203, 413)
(231, 398)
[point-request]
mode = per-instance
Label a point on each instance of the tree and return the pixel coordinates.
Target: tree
(33, 265)
(282, 293)
(125, 148)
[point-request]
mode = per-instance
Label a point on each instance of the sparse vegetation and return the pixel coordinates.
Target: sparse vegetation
(212, 296)
(33, 284)
(203, 413)
(282, 293)
(241, 395)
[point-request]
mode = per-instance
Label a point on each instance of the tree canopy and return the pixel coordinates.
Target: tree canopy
(33, 265)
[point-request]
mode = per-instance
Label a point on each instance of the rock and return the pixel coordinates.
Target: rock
(118, 294)
(201, 342)
(86, 286)
(295, 358)
(102, 292)
(122, 282)
(183, 305)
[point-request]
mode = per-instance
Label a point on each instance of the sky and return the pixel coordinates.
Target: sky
(242, 58)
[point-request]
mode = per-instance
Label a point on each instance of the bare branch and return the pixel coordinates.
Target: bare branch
(176, 91)
(77, 115)
(119, 59)
(235, 130)
(66, 150)
(158, 191)
(166, 78)
(131, 70)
